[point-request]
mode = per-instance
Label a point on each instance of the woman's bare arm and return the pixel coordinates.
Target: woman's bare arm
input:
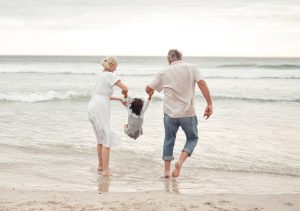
(123, 87)
(115, 98)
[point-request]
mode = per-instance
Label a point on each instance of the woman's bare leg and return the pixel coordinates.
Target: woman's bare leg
(105, 161)
(99, 151)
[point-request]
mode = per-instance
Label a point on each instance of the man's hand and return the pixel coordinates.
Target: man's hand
(150, 95)
(149, 91)
(208, 111)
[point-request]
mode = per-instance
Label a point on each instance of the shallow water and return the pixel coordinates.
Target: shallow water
(250, 145)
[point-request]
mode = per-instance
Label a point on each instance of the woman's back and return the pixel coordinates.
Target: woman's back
(105, 83)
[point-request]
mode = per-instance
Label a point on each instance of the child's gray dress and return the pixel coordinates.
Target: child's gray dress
(134, 127)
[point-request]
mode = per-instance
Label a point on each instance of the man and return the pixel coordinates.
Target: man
(178, 82)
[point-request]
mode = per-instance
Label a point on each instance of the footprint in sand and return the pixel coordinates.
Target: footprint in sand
(223, 202)
(209, 203)
(288, 204)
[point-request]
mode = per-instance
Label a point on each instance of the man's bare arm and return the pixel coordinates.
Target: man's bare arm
(205, 92)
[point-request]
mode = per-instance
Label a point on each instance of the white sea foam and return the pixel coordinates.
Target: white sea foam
(36, 97)
(42, 96)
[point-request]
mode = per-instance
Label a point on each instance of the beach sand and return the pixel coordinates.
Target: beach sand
(11, 199)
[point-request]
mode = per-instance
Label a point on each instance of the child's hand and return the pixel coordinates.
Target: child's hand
(124, 102)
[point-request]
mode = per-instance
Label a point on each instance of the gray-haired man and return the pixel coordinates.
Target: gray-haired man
(178, 82)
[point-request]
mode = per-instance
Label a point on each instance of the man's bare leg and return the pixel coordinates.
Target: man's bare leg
(167, 168)
(105, 161)
(184, 155)
(99, 151)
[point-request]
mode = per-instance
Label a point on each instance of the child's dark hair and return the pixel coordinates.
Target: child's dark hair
(136, 106)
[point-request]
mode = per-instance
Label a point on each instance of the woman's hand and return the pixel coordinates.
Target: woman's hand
(124, 93)
(123, 87)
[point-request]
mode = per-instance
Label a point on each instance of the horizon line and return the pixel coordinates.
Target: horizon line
(78, 55)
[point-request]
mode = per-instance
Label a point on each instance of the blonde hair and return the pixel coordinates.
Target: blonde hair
(109, 60)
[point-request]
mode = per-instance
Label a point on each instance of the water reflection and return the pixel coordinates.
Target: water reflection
(168, 185)
(103, 184)
(171, 185)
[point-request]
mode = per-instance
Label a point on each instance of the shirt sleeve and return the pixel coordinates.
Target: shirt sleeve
(145, 107)
(197, 75)
(157, 83)
(112, 79)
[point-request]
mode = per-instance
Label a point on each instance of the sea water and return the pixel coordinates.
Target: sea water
(251, 143)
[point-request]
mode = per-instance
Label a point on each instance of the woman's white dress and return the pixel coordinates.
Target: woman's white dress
(99, 109)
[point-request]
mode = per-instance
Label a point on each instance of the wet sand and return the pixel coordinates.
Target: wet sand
(12, 199)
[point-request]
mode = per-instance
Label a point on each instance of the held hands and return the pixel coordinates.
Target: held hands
(149, 91)
(150, 95)
(124, 93)
(208, 111)
(124, 101)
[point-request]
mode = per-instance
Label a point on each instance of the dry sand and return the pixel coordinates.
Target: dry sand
(48, 200)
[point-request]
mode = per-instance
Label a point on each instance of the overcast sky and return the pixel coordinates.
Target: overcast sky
(150, 27)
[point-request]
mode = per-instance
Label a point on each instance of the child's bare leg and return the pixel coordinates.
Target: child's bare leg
(99, 151)
(105, 161)
(184, 155)
(167, 168)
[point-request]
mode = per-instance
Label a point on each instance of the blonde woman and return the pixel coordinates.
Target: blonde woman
(99, 111)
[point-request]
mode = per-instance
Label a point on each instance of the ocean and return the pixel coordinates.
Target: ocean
(251, 144)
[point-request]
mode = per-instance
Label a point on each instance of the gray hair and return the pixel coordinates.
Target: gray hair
(174, 55)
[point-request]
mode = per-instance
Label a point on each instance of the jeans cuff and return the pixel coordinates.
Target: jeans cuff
(168, 157)
(187, 151)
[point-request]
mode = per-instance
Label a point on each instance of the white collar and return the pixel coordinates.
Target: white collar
(176, 62)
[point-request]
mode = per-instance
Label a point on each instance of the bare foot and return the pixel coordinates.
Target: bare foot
(167, 174)
(100, 168)
(106, 173)
(176, 171)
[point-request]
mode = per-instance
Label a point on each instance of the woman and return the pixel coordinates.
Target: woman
(99, 111)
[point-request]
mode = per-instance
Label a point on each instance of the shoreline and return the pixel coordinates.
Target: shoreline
(13, 199)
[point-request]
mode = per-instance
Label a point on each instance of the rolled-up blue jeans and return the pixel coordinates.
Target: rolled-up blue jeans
(188, 125)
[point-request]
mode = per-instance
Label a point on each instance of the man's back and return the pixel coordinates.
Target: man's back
(178, 82)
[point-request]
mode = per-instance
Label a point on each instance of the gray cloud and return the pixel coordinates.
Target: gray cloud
(78, 14)
(68, 26)
(65, 8)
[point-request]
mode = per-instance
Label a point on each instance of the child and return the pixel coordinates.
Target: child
(136, 110)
